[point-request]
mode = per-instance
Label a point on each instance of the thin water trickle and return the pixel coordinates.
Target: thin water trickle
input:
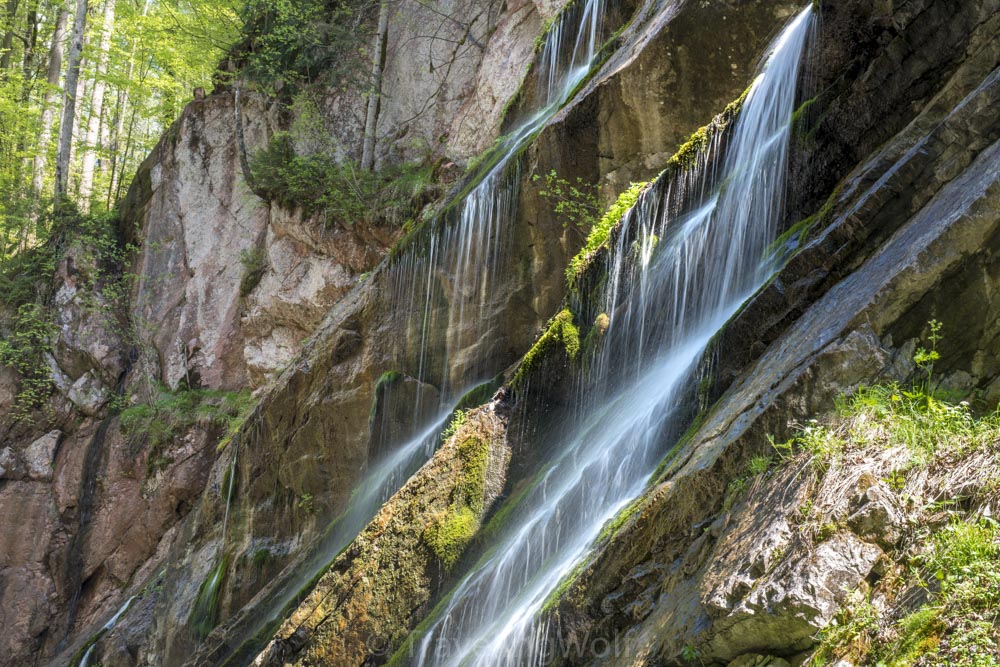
(107, 627)
(458, 265)
(699, 241)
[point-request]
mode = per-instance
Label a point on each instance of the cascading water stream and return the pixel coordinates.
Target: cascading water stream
(692, 251)
(460, 264)
(471, 253)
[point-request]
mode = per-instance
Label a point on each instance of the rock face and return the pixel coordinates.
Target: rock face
(372, 595)
(900, 140)
(201, 230)
(309, 437)
(900, 239)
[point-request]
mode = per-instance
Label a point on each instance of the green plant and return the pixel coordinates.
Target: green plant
(689, 653)
(254, 263)
(852, 631)
(339, 192)
(158, 423)
(457, 421)
(293, 42)
(924, 358)
(759, 465)
(576, 204)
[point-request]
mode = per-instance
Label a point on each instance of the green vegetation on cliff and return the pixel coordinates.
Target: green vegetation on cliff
(939, 598)
(560, 331)
(448, 535)
(158, 422)
(601, 230)
(339, 191)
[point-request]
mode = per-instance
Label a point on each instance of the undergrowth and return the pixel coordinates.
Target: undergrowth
(158, 422)
(940, 603)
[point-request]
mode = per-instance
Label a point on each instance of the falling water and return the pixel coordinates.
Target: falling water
(692, 251)
(460, 264)
(107, 627)
(470, 252)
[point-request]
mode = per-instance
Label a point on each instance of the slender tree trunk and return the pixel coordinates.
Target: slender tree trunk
(375, 94)
(30, 45)
(65, 144)
(96, 109)
(117, 155)
(7, 45)
(48, 102)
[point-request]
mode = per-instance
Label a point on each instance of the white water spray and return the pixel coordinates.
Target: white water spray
(691, 252)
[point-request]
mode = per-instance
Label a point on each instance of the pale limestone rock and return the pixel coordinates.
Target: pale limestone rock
(40, 454)
(6, 461)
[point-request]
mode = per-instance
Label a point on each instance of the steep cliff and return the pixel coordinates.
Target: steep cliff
(444, 409)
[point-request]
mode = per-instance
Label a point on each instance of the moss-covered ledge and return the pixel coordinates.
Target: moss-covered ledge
(379, 588)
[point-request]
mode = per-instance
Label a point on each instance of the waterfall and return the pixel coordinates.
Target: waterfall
(457, 263)
(460, 263)
(106, 628)
(692, 250)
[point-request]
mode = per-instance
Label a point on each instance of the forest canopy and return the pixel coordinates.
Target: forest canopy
(87, 87)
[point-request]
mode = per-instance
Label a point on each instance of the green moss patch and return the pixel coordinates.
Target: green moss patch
(600, 232)
(205, 613)
(685, 156)
(560, 332)
(450, 534)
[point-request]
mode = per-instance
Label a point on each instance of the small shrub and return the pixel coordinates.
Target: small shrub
(158, 423)
(254, 263)
(575, 204)
(339, 192)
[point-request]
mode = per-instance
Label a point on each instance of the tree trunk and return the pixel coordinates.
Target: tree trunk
(117, 162)
(7, 46)
(30, 45)
(48, 102)
(375, 94)
(65, 144)
(96, 109)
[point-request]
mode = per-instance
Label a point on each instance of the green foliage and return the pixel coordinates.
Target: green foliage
(759, 465)
(889, 415)
(852, 627)
(254, 263)
(207, 606)
(449, 535)
(601, 230)
(300, 41)
(955, 626)
(576, 204)
(159, 422)
(457, 421)
(339, 192)
(689, 653)
(25, 350)
(924, 358)
(560, 331)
